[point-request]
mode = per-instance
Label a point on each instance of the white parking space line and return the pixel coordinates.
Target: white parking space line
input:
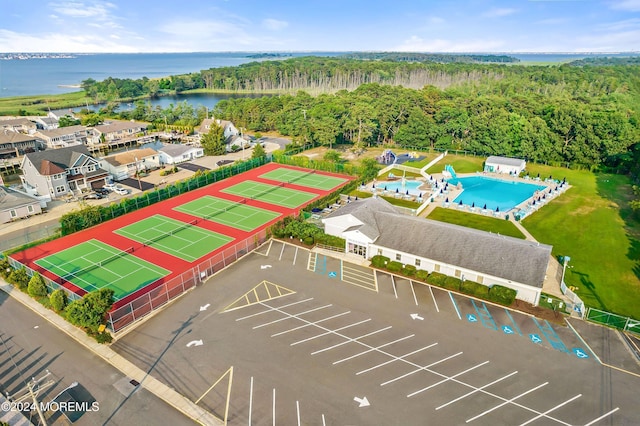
(310, 324)
(273, 406)
(271, 310)
(454, 305)
(421, 368)
(393, 284)
(288, 318)
(395, 359)
(552, 409)
(250, 399)
(434, 299)
(447, 379)
(281, 251)
(351, 340)
(358, 277)
(298, 411)
(295, 256)
(507, 402)
(324, 423)
(328, 332)
(415, 299)
(477, 390)
(602, 416)
(373, 349)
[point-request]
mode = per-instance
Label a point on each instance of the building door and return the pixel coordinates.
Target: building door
(358, 249)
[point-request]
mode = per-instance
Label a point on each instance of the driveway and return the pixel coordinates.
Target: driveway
(192, 167)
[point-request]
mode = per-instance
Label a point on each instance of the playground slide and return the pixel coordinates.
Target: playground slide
(449, 168)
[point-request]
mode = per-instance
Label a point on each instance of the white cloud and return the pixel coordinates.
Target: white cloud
(418, 44)
(498, 12)
(629, 5)
(435, 20)
(274, 24)
(59, 42)
(76, 9)
(553, 21)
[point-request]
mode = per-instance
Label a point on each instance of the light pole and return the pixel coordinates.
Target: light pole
(565, 261)
(138, 173)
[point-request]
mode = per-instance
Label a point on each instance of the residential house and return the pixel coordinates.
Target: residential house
(14, 205)
(61, 172)
(373, 227)
(46, 123)
(227, 126)
(176, 153)
(117, 131)
(237, 142)
(19, 125)
(512, 166)
(64, 136)
(14, 144)
(126, 164)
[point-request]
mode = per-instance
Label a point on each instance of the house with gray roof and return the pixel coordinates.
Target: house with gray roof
(177, 153)
(123, 165)
(63, 136)
(116, 131)
(19, 124)
(14, 144)
(374, 227)
(512, 166)
(15, 205)
(61, 172)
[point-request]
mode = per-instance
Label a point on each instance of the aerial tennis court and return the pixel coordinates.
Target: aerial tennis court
(310, 179)
(93, 265)
(272, 194)
(180, 239)
(225, 212)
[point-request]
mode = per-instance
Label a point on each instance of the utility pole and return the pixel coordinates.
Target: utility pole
(33, 388)
(138, 173)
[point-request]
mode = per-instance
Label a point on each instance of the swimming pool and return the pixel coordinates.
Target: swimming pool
(494, 193)
(392, 186)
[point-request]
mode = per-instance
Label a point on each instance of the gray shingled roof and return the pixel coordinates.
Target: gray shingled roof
(63, 157)
(363, 210)
(504, 160)
(10, 199)
(511, 258)
(174, 150)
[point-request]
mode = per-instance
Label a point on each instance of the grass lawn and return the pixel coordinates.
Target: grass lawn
(39, 105)
(420, 164)
(399, 173)
(476, 221)
(460, 163)
(592, 224)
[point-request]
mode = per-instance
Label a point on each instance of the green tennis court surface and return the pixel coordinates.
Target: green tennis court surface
(228, 213)
(179, 239)
(93, 265)
(272, 194)
(310, 178)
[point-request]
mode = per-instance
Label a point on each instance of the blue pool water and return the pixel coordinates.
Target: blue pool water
(495, 193)
(391, 186)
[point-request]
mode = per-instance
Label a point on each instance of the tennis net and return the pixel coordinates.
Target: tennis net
(268, 190)
(170, 233)
(96, 265)
(302, 176)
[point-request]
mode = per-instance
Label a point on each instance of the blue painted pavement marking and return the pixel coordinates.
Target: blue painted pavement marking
(535, 338)
(321, 265)
(333, 274)
(515, 326)
(472, 318)
(551, 335)
(580, 353)
(507, 330)
(485, 316)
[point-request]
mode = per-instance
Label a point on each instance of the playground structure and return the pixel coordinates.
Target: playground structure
(389, 157)
(448, 172)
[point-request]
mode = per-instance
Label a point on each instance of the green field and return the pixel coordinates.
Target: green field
(460, 163)
(272, 194)
(93, 265)
(476, 221)
(179, 239)
(240, 216)
(309, 179)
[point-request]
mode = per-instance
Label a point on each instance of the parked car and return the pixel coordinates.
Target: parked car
(103, 191)
(120, 190)
(224, 162)
(110, 186)
(92, 196)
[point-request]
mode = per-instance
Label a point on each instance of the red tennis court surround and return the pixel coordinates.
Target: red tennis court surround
(105, 231)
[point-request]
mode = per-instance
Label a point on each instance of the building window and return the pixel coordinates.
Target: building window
(91, 168)
(30, 209)
(436, 267)
(13, 213)
(458, 273)
(379, 252)
(417, 263)
(59, 189)
(398, 257)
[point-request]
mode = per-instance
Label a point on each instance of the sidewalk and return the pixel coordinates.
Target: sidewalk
(150, 383)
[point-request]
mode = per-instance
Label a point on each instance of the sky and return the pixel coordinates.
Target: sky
(131, 26)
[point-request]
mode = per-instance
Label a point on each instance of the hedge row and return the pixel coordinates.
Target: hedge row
(496, 293)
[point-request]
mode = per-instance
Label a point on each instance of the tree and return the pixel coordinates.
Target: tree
(89, 311)
(213, 141)
(258, 151)
(37, 287)
(58, 300)
(368, 168)
(332, 156)
(19, 278)
(5, 267)
(67, 121)
(91, 120)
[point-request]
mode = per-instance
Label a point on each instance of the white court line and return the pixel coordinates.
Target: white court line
(415, 299)
(395, 359)
(477, 389)
(393, 284)
(373, 349)
(422, 368)
(602, 416)
(506, 402)
(350, 340)
(307, 325)
(329, 331)
(286, 318)
(552, 409)
(272, 309)
(447, 379)
(434, 298)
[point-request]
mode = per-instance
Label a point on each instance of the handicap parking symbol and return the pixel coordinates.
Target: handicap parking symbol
(333, 274)
(580, 353)
(507, 329)
(535, 338)
(471, 318)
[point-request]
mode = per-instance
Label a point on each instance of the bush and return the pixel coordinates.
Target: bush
(330, 240)
(502, 295)
(89, 311)
(103, 337)
(475, 289)
(308, 241)
(394, 266)
(37, 287)
(409, 270)
(5, 268)
(436, 278)
(452, 283)
(19, 278)
(379, 261)
(422, 275)
(58, 300)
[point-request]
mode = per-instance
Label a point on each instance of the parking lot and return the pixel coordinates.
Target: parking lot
(303, 338)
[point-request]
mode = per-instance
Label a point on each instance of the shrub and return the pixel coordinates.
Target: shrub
(103, 337)
(37, 287)
(5, 268)
(379, 261)
(19, 278)
(409, 270)
(502, 295)
(475, 289)
(394, 266)
(58, 300)
(308, 241)
(436, 278)
(422, 275)
(330, 240)
(452, 283)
